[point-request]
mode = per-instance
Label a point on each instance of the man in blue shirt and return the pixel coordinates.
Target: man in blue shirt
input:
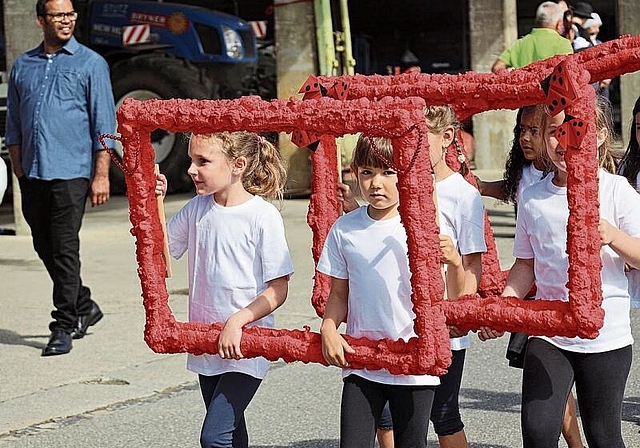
(59, 102)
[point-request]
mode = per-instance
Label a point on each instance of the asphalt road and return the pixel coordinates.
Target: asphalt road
(112, 391)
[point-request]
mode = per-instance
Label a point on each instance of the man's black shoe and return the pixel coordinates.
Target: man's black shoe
(59, 343)
(85, 321)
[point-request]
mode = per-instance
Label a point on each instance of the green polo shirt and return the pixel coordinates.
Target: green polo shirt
(540, 43)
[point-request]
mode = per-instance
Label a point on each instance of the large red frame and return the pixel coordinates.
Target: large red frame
(471, 93)
(401, 119)
(370, 110)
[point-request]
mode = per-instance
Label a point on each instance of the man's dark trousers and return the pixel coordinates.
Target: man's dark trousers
(54, 211)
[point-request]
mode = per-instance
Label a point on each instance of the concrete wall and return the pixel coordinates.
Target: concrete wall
(296, 60)
(21, 29)
(21, 33)
(493, 131)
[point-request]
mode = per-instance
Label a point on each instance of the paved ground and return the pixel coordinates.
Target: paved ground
(112, 391)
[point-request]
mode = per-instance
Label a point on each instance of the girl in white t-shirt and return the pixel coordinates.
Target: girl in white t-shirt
(553, 364)
(366, 256)
(630, 168)
(239, 267)
(526, 163)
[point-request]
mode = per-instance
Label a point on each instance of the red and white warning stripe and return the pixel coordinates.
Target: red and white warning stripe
(259, 28)
(136, 34)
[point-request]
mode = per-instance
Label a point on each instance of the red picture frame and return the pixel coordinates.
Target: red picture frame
(369, 109)
(400, 119)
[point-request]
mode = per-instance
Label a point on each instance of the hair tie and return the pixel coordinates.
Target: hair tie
(261, 140)
(461, 157)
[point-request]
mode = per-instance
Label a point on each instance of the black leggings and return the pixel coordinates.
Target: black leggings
(445, 412)
(362, 403)
(600, 378)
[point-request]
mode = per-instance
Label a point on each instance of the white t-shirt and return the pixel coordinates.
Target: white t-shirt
(372, 255)
(461, 216)
(530, 175)
(634, 275)
(233, 253)
(541, 234)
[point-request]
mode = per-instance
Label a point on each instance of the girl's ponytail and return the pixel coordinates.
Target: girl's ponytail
(267, 175)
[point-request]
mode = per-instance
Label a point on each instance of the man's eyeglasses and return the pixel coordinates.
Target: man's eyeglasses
(60, 16)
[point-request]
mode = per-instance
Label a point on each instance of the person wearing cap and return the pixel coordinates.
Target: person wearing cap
(582, 11)
(592, 27)
(542, 42)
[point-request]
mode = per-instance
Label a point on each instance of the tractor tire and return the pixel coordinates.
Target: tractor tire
(156, 76)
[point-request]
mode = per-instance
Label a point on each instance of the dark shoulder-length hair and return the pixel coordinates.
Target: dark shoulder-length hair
(516, 160)
(630, 165)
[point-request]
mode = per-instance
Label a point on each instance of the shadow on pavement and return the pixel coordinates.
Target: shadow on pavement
(510, 402)
(316, 443)
(22, 263)
(319, 443)
(490, 400)
(503, 235)
(8, 337)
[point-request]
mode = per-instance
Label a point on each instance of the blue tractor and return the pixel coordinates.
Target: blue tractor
(166, 50)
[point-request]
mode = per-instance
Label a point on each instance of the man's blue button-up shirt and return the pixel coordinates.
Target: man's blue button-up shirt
(57, 106)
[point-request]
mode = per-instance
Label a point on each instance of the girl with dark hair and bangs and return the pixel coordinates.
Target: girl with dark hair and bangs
(366, 256)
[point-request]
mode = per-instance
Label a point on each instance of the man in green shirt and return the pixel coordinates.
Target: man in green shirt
(542, 42)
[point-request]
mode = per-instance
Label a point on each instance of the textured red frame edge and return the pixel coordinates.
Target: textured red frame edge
(428, 353)
(582, 315)
(471, 93)
(575, 317)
